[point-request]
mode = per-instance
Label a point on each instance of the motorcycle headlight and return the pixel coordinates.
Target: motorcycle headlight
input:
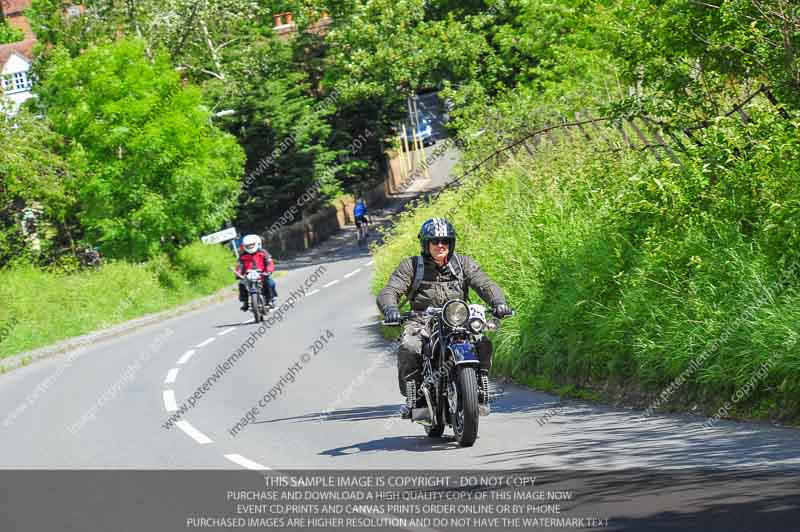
(476, 325)
(456, 313)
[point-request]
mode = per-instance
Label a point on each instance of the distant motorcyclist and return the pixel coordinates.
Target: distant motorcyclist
(444, 275)
(253, 257)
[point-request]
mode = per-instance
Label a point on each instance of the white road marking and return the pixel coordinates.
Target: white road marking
(331, 283)
(370, 263)
(205, 342)
(186, 356)
(193, 433)
(171, 376)
(312, 292)
(244, 462)
(352, 273)
(169, 400)
(226, 331)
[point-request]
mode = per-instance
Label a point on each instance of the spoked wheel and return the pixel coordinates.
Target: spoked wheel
(255, 306)
(465, 417)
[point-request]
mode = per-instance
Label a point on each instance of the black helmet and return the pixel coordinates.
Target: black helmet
(437, 228)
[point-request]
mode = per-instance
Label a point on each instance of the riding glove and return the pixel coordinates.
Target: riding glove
(501, 311)
(391, 315)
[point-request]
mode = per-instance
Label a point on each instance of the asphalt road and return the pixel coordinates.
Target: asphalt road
(334, 406)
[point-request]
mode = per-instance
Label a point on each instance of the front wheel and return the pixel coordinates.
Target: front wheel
(465, 418)
(255, 305)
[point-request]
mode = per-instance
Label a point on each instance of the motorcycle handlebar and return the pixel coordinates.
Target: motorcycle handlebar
(403, 317)
(430, 311)
(240, 276)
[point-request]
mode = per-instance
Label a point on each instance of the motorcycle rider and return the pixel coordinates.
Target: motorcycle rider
(446, 275)
(253, 257)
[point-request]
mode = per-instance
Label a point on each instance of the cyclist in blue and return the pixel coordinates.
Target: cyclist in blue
(360, 212)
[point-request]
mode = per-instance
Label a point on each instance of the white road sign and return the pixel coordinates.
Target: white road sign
(220, 236)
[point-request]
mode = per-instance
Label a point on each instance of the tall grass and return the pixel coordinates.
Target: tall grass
(624, 270)
(41, 307)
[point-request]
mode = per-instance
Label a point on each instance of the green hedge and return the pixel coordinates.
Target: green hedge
(640, 274)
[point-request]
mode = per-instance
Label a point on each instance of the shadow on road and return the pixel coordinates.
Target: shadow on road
(420, 443)
(248, 321)
(657, 442)
(360, 413)
(653, 500)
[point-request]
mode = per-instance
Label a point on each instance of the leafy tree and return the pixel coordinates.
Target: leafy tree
(283, 135)
(389, 48)
(694, 58)
(159, 172)
(34, 173)
(9, 33)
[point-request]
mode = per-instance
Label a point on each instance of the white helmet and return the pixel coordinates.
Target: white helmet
(251, 243)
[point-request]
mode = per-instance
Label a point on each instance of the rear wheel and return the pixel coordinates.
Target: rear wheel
(465, 418)
(362, 236)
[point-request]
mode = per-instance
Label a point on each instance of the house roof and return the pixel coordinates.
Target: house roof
(23, 48)
(11, 7)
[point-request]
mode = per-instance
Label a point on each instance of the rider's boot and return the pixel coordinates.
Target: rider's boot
(245, 306)
(411, 391)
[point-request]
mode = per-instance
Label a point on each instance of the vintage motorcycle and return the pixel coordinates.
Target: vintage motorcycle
(455, 392)
(254, 283)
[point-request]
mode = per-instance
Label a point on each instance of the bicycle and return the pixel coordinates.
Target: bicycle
(362, 232)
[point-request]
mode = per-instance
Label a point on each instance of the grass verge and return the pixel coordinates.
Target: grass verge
(40, 307)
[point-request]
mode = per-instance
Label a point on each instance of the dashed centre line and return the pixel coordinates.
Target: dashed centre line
(193, 433)
(206, 342)
(171, 405)
(171, 376)
(245, 462)
(352, 273)
(186, 356)
(169, 400)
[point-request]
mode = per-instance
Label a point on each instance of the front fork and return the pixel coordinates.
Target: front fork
(462, 354)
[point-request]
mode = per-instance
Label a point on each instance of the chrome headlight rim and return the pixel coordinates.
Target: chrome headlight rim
(452, 307)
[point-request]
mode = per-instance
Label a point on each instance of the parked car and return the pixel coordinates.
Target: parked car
(424, 132)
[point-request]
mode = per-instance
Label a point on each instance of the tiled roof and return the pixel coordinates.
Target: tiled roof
(11, 7)
(23, 48)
